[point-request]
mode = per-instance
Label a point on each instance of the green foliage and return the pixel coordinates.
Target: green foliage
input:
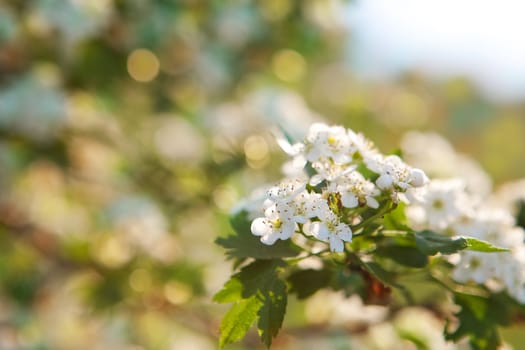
(479, 318)
(304, 283)
(404, 255)
(520, 216)
(431, 243)
(243, 244)
(478, 245)
(383, 251)
(238, 320)
(271, 314)
(260, 294)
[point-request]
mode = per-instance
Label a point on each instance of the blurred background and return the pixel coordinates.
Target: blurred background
(130, 129)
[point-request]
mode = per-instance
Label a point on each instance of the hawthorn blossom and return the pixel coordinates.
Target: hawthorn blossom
(327, 170)
(277, 223)
(355, 190)
(323, 141)
(286, 190)
(331, 229)
(394, 174)
(308, 205)
(364, 147)
(438, 205)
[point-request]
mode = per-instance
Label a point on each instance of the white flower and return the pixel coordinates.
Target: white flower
(440, 204)
(331, 230)
(329, 170)
(394, 174)
(355, 190)
(493, 225)
(364, 147)
(323, 141)
(308, 205)
(286, 190)
(475, 267)
(278, 223)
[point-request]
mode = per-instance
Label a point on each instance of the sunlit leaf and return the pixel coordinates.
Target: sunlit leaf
(271, 314)
(482, 246)
(238, 320)
(259, 280)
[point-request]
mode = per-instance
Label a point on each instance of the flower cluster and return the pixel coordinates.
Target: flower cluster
(337, 176)
(445, 206)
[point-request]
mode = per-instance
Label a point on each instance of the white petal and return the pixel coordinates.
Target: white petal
(318, 230)
(271, 212)
(344, 232)
(419, 178)
(316, 180)
(384, 181)
(349, 200)
(336, 245)
(260, 227)
(372, 202)
(299, 161)
(341, 158)
(287, 229)
(270, 238)
(403, 185)
(300, 219)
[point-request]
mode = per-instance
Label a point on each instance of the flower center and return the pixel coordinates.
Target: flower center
(277, 224)
(438, 204)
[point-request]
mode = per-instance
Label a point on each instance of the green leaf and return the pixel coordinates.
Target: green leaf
(431, 243)
(396, 219)
(520, 213)
(271, 314)
(238, 320)
(243, 244)
(479, 318)
(231, 292)
(306, 282)
(403, 255)
(482, 246)
(249, 281)
(259, 280)
(384, 276)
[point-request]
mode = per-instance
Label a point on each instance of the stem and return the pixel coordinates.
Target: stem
(294, 260)
(385, 210)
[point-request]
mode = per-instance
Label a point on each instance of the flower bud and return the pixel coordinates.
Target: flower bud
(419, 178)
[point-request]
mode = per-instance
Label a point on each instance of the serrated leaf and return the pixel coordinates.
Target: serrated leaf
(238, 320)
(271, 314)
(243, 244)
(259, 280)
(231, 292)
(431, 243)
(478, 245)
(305, 283)
(249, 281)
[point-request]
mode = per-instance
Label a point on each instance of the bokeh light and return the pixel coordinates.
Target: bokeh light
(143, 65)
(130, 130)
